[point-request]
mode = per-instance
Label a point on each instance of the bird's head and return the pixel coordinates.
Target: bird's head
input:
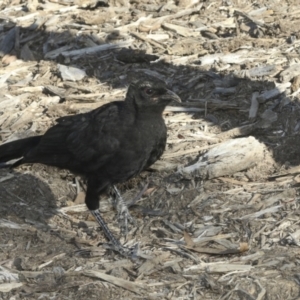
(148, 93)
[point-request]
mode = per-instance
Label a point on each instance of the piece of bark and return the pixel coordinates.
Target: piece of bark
(287, 74)
(227, 158)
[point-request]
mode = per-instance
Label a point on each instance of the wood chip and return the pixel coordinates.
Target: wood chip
(125, 284)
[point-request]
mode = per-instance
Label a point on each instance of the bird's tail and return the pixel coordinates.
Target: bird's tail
(16, 149)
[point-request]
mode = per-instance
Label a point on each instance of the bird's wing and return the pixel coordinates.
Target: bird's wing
(95, 135)
(83, 141)
(159, 148)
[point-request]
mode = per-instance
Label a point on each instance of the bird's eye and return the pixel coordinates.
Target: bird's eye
(148, 91)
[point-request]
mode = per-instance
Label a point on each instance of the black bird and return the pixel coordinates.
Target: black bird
(108, 145)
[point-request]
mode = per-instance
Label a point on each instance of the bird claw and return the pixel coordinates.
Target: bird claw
(114, 243)
(131, 253)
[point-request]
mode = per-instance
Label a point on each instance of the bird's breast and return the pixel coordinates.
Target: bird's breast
(142, 144)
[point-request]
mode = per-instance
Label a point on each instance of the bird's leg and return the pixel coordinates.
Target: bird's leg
(124, 215)
(115, 242)
(94, 188)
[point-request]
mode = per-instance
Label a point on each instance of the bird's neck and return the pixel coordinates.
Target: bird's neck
(151, 112)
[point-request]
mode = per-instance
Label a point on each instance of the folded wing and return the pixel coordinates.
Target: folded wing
(80, 143)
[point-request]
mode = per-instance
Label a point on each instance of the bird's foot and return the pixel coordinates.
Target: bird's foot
(131, 253)
(114, 243)
(124, 216)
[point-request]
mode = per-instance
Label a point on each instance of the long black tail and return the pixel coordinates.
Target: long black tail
(17, 149)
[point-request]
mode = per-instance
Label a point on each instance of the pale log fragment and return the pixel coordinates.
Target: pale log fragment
(289, 73)
(228, 158)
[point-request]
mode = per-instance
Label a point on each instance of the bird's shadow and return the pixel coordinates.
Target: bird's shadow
(31, 198)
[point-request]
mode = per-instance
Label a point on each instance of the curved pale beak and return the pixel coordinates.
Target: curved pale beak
(171, 95)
